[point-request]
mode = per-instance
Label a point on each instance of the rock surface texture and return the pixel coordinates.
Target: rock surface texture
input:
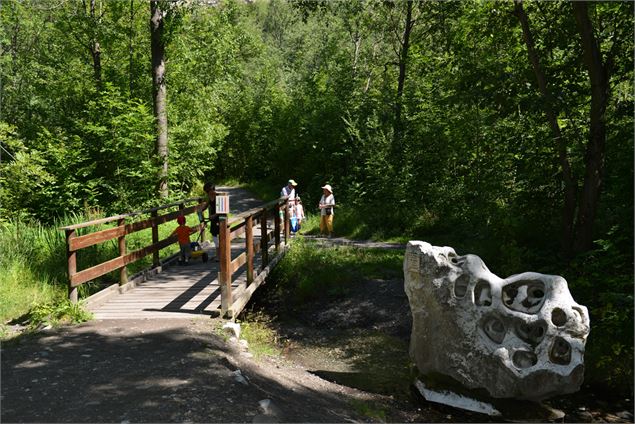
(521, 337)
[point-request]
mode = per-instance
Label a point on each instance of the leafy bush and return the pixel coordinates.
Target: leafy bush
(63, 312)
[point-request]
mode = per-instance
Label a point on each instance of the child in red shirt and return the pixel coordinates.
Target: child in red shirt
(183, 234)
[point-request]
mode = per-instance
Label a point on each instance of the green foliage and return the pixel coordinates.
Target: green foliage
(259, 333)
(603, 281)
(368, 409)
(21, 287)
(54, 314)
(118, 161)
(309, 271)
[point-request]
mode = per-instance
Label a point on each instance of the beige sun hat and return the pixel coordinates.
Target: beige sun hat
(328, 187)
(293, 183)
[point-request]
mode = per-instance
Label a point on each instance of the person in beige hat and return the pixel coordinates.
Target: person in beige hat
(289, 190)
(327, 209)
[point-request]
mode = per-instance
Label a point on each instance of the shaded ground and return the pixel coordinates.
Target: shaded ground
(156, 371)
(343, 361)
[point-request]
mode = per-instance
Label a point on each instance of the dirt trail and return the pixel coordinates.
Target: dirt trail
(156, 371)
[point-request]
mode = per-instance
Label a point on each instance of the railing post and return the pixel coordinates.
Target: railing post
(72, 265)
(287, 224)
(123, 272)
(249, 236)
(155, 238)
(225, 277)
(201, 215)
(276, 227)
(264, 243)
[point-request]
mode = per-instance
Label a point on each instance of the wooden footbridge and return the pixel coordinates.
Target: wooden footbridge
(250, 244)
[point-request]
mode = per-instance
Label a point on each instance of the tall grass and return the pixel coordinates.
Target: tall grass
(33, 264)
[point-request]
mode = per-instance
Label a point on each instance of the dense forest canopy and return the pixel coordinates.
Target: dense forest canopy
(477, 114)
(504, 125)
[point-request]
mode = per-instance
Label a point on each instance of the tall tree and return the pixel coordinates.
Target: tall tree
(159, 92)
(404, 46)
(130, 48)
(570, 186)
(599, 75)
(93, 44)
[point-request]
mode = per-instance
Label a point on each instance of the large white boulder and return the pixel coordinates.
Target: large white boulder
(521, 337)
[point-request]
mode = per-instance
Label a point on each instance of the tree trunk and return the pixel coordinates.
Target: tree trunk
(570, 185)
(130, 48)
(95, 49)
(403, 59)
(596, 145)
(159, 94)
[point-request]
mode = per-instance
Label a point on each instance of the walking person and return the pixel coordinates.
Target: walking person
(214, 219)
(290, 191)
(183, 235)
(299, 212)
(327, 209)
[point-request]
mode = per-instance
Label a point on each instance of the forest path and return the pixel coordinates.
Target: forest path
(240, 200)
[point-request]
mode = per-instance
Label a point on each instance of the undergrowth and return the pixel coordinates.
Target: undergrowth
(262, 338)
(308, 271)
(53, 314)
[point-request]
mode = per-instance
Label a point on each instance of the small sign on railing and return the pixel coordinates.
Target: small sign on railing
(222, 203)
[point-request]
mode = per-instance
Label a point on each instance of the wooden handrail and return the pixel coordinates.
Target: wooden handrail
(75, 242)
(128, 215)
(233, 228)
(243, 224)
(255, 212)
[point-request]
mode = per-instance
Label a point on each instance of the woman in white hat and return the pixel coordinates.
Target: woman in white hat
(327, 209)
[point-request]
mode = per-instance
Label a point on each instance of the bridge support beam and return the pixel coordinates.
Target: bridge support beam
(224, 277)
(71, 256)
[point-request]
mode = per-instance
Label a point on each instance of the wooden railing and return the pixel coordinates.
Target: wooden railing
(75, 242)
(232, 301)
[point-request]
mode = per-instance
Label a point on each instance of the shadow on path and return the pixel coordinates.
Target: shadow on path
(147, 371)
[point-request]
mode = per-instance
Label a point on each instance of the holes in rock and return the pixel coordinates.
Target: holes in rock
(579, 313)
(456, 260)
(524, 359)
(558, 317)
(524, 296)
(482, 293)
(534, 296)
(460, 285)
(531, 333)
(560, 352)
(495, 329)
